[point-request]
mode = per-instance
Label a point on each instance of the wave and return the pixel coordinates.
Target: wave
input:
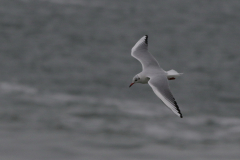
(74, 2)
(7, 88)
(118, 118)
(79, 2)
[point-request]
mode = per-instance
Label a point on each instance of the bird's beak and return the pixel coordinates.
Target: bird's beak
(131, 85)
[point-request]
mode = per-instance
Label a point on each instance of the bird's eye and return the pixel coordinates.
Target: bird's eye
(135, 80)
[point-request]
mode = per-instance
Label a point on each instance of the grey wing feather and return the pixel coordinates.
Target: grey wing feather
(140, 52)
(160, 87)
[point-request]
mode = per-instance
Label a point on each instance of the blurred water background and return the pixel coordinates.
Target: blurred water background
(65, 68)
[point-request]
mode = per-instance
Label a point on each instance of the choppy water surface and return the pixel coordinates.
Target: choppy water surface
(65, 69)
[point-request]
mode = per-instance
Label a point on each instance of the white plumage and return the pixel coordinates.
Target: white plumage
(154, 75)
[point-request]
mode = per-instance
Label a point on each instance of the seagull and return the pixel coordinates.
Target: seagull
(154, 75)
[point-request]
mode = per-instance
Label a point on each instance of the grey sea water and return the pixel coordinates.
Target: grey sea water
(65, 68)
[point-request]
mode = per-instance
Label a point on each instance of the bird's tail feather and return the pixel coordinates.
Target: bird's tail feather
(172, 74)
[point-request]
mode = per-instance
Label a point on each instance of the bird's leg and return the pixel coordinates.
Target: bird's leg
(172, 78)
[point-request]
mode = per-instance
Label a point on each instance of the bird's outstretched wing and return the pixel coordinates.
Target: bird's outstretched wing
(140, 52)
(159, 84)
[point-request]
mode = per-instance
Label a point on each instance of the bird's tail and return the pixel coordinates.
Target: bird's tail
(172, 74)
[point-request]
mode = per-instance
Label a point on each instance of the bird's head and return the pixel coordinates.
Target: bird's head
(136, 79)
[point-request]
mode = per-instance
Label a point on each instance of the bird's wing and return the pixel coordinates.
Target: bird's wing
(140, 52)
(159, 84)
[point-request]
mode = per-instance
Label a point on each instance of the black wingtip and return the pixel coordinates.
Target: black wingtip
(146, 39)
(176, 105)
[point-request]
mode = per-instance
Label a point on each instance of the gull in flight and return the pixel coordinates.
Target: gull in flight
(154, 75)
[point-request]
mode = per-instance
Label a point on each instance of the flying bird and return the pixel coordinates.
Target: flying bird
(154, 75)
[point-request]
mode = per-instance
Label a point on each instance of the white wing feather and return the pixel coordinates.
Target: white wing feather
(159, 84)
(140, 52)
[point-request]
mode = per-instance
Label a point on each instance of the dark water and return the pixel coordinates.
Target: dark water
(65, 68)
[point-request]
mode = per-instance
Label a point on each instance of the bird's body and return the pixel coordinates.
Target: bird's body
(154, 75)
